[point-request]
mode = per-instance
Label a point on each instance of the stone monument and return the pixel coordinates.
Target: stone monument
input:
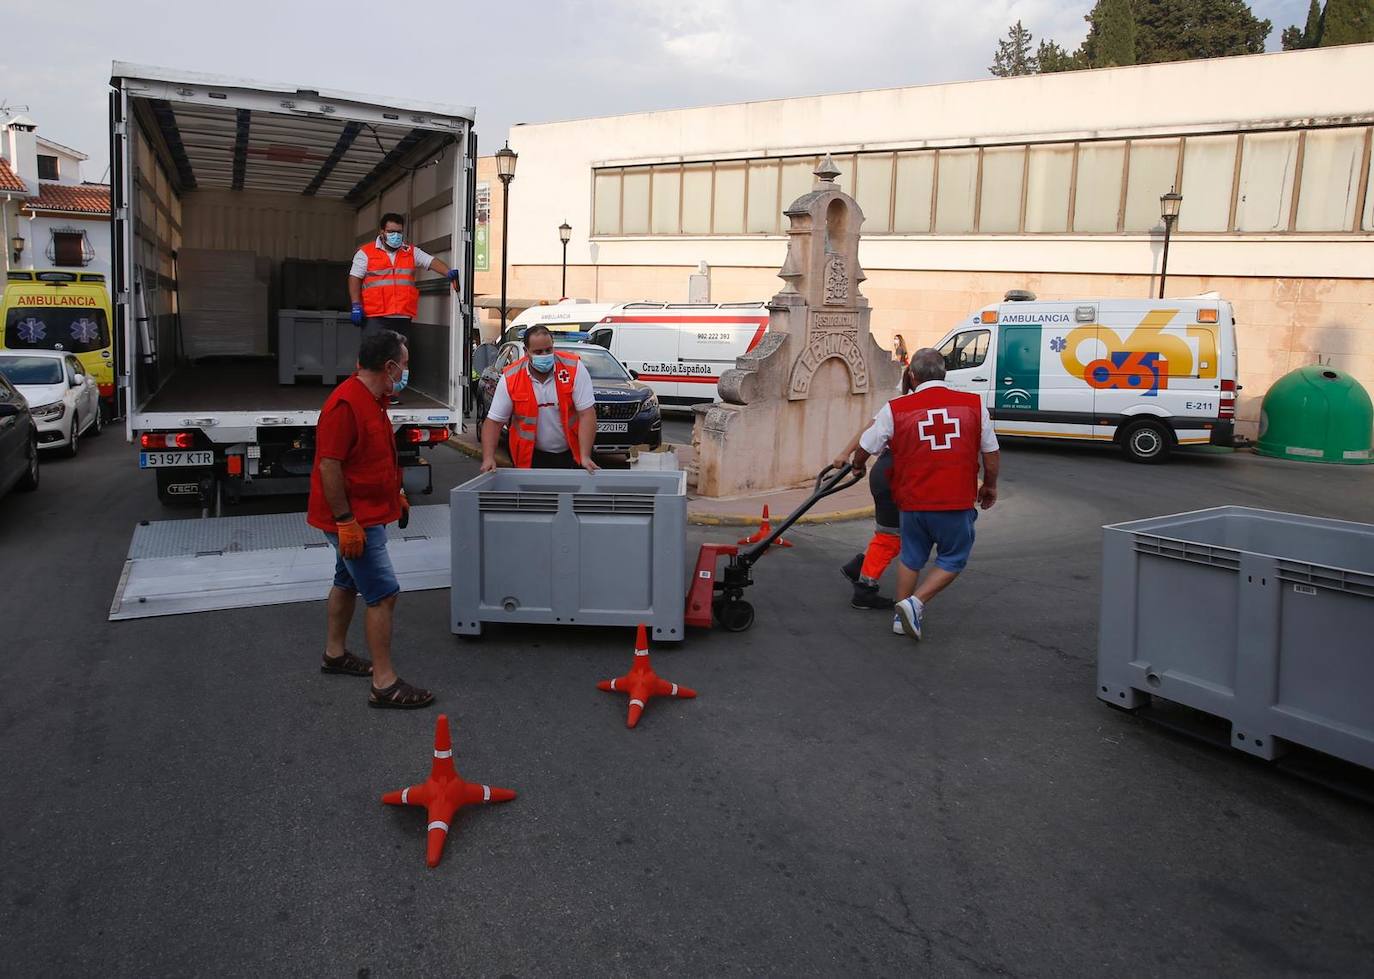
(791, 404)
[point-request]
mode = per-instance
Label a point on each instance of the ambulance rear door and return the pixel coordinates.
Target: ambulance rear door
(710, 341)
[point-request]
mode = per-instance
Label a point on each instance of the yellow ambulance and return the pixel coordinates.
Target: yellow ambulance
(57, 309)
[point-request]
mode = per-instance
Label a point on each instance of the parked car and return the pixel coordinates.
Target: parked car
(63, 399)
(18, 441)
(627, 412)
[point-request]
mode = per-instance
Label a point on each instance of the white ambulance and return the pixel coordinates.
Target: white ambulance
(681, 349)
(1146, 374)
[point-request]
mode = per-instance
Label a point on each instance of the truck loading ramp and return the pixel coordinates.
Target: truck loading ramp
(180, 566)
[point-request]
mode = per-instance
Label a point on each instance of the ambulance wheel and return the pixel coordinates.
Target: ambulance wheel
(1147, 442)
(735, 616)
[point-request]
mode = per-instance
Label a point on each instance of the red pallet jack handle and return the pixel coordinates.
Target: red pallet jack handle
(718, 592)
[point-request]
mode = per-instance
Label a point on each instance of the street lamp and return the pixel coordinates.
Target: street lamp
(17, 246)
(1168, 210)
(564, 234)
(505, 169)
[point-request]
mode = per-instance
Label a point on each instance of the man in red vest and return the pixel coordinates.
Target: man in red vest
(381, 282)
(355, 491)
(548, 398)
(937, 436)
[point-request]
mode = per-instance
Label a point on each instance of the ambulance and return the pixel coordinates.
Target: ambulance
(566, 316)
(681, 349)
(1147, 375)
(59, 309)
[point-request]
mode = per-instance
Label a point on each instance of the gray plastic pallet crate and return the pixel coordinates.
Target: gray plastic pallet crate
(1265, 619)
(567, 547)
(315, 344)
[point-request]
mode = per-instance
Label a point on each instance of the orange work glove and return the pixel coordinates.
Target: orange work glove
(352, 540)
(405, 512)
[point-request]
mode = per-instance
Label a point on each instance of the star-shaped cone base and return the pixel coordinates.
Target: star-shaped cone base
(444, 793)
(642, 682)
(765, 528)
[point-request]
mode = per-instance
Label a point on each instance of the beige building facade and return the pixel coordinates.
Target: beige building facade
(1050, 183)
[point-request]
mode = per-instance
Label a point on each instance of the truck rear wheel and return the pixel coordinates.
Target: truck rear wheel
(1146, 441)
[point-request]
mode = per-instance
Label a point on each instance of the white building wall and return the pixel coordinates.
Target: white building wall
(554, 175)
(38, 231)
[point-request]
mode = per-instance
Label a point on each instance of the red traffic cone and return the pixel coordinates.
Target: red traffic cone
(765, 528)
(642, 683)
(444, 793)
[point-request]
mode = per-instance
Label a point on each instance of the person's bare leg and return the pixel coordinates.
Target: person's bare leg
(377, 621)
(341, 605)
(935, 581)
(906, 581)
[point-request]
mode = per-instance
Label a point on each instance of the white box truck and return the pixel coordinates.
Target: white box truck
(219, 183)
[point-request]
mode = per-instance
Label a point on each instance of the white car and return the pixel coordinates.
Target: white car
(63, 399)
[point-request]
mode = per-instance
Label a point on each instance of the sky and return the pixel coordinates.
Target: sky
(527, 61)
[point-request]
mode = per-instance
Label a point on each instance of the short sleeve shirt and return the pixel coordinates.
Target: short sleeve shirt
(548, 434)
(876, 438)
(423, 259)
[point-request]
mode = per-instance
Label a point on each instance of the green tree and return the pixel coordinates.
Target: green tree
(1013, 55)
(1111, 39)
(1052, 58)
(1295, 38)
(1180, 30)
(1347, 22)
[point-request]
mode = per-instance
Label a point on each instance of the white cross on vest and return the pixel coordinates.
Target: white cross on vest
(938, 429)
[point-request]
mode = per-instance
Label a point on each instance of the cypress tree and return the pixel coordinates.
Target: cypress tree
(1347, 22)
(1111, 36)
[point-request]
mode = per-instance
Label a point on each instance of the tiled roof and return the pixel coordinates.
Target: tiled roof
(8, 181)
(71, 198)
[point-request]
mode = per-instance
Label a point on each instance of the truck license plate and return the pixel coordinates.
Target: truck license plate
(159, 460)
(612, 426)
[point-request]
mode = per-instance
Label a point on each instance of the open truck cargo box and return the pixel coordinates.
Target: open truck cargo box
(228, 195)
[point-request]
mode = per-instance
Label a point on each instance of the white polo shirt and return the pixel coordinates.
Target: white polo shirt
(875, 440)
(548, 432)
(423, 259)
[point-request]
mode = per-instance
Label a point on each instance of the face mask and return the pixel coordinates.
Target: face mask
(399, 384)
(394, 239)
(543, 363)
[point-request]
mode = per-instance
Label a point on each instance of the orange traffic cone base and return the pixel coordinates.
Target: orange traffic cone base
(642, 683)
(444, 793)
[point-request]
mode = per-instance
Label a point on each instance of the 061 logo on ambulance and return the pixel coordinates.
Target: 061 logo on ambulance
(1143, 359)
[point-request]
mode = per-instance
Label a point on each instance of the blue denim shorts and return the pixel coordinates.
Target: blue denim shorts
(950, 532)
(371, 575)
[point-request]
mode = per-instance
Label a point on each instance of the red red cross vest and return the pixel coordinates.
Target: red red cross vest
(389, 289)
(937, 435)
(371, 473)
(524, 417)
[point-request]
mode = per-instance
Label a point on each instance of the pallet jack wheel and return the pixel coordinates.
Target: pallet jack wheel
(735, 615)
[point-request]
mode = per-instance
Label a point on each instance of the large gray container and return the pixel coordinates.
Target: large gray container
(315, 344)
(1263, 618)
(567, 547)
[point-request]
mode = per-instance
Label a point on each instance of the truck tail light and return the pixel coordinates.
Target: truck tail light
(1228, 400)
(166, 440)
(419, 436)
(234, 465)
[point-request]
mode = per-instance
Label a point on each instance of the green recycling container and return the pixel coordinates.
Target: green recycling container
(1317, 414)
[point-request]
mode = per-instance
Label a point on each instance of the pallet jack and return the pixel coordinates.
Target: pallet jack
(717, 593)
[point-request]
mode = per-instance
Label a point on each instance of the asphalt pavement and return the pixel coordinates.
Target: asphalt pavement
(189, 795)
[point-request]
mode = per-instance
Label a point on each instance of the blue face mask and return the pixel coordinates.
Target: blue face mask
(394, 239)
(399, 385)
(543, 363)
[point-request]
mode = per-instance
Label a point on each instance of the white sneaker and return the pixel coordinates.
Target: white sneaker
(897, 629)
(909, 617)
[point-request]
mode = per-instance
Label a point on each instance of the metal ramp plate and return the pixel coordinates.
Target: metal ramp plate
(179, 566)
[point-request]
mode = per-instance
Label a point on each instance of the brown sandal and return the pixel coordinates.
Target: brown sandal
(346, 665)
(400, 696)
